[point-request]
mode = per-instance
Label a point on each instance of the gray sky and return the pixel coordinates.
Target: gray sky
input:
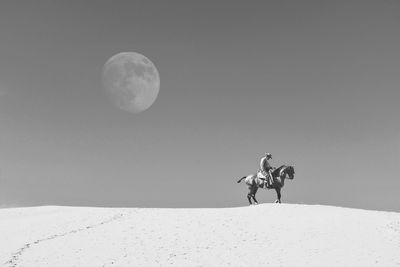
(315, 83)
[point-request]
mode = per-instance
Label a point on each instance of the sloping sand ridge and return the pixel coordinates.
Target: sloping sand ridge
(263, 235)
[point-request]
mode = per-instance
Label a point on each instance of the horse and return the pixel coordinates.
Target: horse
(255, 181)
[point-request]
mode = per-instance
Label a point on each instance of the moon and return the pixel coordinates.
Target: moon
(132, 81)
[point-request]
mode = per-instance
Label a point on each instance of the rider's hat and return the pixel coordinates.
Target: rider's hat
(268, 155)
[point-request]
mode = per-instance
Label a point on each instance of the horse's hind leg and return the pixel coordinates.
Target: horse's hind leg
(249, 198)
(255, 200)
(278, 193)
(253, 195)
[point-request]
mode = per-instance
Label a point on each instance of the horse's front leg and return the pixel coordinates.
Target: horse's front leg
(278, 193)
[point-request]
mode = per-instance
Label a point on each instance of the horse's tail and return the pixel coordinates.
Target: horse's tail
(244, 177)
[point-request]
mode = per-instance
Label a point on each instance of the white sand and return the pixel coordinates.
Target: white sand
(264, 235)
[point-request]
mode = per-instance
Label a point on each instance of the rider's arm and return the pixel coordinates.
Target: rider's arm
(262, 164)
(268, 165)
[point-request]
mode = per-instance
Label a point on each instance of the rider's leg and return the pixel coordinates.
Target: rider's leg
(271, 179)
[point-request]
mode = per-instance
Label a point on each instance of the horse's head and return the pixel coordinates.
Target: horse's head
(290, 172)
(284, 171)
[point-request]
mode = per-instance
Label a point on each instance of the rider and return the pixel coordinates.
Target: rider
(266, 168)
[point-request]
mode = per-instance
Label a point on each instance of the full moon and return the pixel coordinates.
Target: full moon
(132, 81)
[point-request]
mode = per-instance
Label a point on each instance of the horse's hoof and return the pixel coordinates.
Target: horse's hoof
(256, 203)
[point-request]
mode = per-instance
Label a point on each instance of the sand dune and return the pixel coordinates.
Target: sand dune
(263, 235)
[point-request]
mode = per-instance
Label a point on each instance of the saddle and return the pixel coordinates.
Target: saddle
(265, 179)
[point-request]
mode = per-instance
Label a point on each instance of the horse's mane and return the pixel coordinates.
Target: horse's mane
(277, 170)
